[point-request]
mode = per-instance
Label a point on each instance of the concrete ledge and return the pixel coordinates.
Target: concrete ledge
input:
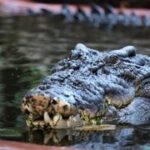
(9, 145)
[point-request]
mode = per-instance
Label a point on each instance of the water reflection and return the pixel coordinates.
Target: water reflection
(122, 136)
(29, 47)
(70, 137)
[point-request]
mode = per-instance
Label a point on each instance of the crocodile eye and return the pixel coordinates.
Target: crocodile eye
(111, 59)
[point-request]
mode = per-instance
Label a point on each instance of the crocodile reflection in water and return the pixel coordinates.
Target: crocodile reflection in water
(121, 136)
(92, 87)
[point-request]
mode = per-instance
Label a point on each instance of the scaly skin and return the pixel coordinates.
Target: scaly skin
(92, 87)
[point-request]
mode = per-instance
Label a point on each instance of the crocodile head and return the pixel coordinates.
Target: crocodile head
(82, 87)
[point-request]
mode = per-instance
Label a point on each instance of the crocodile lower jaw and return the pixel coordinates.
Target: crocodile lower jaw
(44, 113)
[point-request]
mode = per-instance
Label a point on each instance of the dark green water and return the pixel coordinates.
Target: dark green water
(29, 46)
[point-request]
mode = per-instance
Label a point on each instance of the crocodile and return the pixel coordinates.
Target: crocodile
(92, 87)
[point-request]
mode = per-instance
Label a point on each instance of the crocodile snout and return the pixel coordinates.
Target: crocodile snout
(50, 112)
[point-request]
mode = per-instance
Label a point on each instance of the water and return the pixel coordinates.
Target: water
(29, 47)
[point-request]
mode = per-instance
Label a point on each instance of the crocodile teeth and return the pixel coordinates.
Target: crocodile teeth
(39, 123)
(69, 122)
(46, 117)
(56, 118)
(28, 108)
(74, 121)
(78, 120)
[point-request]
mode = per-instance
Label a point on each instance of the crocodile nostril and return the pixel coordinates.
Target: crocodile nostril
(54, 102)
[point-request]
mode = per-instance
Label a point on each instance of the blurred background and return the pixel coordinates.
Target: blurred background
(115, 3)
(34, 35)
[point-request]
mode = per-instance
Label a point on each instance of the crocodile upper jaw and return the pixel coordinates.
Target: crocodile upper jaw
(45, 112)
